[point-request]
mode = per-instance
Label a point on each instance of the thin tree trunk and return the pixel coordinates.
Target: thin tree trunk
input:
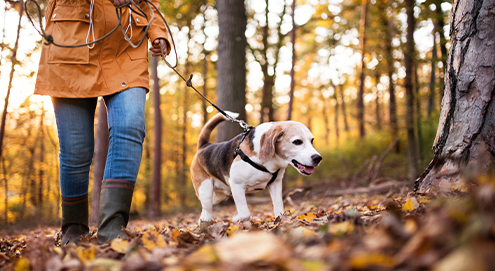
(336, 113)
(440, 24)
(464, 144)
(13, 61)
(360, 98)
(100, 157)
(408, 83)
(386, 24)
(417, 100)
(205, 68)
(344, 113)
(434, 58)
(6, 190)
(185, 108)
(157, 148)
(292, 71)
(41, 168)
(377, 104)
(231, 64)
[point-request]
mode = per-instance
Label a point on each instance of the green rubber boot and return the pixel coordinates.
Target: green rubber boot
(74, 219)
(115, 205)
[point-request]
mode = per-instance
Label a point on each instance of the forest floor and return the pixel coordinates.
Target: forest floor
(379, 227)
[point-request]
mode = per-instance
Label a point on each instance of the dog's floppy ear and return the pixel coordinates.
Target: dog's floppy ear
(267, 143)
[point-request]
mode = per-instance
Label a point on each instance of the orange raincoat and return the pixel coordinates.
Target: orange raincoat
(112, 65)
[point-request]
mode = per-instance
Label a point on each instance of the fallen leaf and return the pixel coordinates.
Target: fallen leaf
(232, 229)
(152, 240)
(408, 206)
(22, 265)
(341, 228)
(365, 260)
(119, 245)
(308, 217)
(245, 248)
(86, 253)
(175, 235)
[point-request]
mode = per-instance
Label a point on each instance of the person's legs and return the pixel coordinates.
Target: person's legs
(75, 121)
(127, 131)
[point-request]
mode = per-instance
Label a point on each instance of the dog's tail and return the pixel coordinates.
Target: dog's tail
(204, 136)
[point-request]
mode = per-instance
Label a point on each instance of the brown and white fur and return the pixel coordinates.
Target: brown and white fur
(275, 145)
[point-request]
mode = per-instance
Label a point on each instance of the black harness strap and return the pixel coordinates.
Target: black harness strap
(246, 159)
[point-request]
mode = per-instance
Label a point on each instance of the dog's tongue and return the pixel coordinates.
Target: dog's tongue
(305, 169)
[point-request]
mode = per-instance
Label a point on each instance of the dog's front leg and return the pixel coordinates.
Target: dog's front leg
(205, 195)
(276, 195)
(239, 195)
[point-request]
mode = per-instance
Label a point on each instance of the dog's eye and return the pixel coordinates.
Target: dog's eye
(297, 142)
(312, 140)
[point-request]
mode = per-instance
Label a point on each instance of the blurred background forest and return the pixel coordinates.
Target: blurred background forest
(341, 67)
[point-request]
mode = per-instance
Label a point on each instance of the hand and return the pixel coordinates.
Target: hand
(120, 3)
(155, 50)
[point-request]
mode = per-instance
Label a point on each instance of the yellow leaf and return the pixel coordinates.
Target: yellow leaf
(203, 256)
(408, 206)
(120, 245)
(57, 250)
(175, 235)
(308, 217)
(232, 230)
(342, 228)
(364, 260)
(86, 253)
(312, 265)
(22, 265)
(424, 201)
(152, 240)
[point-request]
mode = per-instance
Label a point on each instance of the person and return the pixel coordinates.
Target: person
(75, 78)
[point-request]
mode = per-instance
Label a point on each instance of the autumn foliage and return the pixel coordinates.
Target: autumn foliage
(395, 231)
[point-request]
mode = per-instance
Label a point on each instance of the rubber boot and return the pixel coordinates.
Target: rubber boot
(115, 205)
(74, 219)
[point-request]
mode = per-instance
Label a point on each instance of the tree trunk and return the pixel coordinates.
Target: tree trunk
(157, 148)
(336, 119)
(205, 68)
(465, 142)
(434, 58)
(408, 83)
(292, 71)
(439, 24)
(344, 113)
(392, 105)
(6, 190)
(100, 157)
(231, 64)
(417, 103)
(360, 98)
(41, 169)
(377, 104)
(13, 61)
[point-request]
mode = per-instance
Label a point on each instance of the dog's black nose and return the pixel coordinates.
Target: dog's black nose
(316, 158)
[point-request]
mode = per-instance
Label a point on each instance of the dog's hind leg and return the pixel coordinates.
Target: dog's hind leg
(206, 196)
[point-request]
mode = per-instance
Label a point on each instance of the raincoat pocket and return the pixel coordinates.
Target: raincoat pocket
(69, 24)
(139, 24)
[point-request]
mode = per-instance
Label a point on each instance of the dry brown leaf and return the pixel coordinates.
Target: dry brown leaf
(245, 248)
(119, 245)
(152, 240)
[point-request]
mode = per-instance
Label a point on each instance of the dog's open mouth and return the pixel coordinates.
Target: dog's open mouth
(308, 170)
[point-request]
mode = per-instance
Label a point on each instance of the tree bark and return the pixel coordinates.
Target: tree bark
(41, 169)
(377, 104)
(100, 157)
(465, 143)
(231, 64)
(292, 71)
(360, 98)
(157, 148)
(408, 84)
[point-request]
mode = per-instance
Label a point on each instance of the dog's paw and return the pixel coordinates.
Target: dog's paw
(241, 218)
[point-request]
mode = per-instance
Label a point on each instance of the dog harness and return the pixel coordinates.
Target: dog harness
(246, 159)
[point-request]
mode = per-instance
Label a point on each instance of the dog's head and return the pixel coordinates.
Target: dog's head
(293, 142)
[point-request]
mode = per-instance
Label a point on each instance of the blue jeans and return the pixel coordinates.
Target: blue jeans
(75, 124)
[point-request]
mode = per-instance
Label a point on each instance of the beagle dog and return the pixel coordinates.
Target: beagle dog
(265, 152)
